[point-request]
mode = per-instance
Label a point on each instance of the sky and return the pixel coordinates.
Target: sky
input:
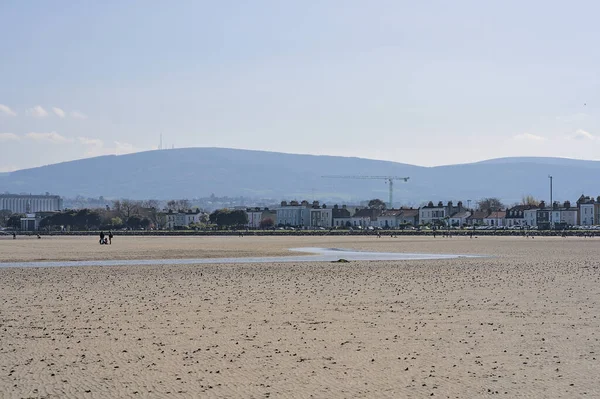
(421, 82)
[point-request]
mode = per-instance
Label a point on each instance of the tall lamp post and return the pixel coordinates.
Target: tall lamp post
(551, 203)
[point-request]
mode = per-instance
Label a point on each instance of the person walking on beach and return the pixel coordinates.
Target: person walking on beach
(110, 236)
(101, 237)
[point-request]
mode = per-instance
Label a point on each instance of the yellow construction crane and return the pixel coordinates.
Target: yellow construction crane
(388, 179)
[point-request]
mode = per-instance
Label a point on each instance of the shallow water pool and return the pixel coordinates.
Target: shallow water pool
(312, 255)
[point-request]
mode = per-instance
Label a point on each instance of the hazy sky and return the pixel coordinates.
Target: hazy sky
(423, 82)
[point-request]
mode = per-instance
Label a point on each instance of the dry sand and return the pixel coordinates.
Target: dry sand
(523, 323)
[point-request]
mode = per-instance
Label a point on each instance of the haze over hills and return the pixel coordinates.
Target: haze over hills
(200, 172)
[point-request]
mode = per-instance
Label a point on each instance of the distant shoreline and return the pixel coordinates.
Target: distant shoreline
(286, 233)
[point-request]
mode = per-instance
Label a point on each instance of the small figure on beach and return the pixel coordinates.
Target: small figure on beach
(39, 236)
(110, 237)
(14, 236)
(101, 237)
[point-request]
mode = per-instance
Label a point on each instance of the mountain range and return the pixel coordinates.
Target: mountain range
(200, 172)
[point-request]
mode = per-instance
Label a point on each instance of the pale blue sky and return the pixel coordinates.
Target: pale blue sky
(423, 82)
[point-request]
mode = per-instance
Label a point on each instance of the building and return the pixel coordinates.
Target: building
(341, 216)
(395, 218)
(365, 217)
(586, 211)
(409, 216)
(477, 218)
(256, 216)
(389, 219)
(321, 216)
(516, 215)
(495, 218)
(543, 217)
(440, 213)
(564, 215)
(459, 219)
(293, 214)
(30, 203)
(430, 213)
(182, 219)
(530, 217)
(31, 222)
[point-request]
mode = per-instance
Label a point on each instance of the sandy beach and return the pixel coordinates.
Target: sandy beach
(523, 322)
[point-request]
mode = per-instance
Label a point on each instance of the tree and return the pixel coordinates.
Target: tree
(130, 208)
(377, 204)
(151, 204)
(4, 216)
(529, 200)
(179, 205)
(126, 208)
(228, 218)
(14, 222)
(116, 222)
(145, 223)
(116, 206)
(86, 219)
(134, 222)
(161, 221)
(151, 208)
(266, 223)
(65, 218)
(204, 218)
(490, 204)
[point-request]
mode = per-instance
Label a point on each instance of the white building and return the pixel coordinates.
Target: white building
(495, 219)
(321, 217)
(31, 222)
(182, 219)
(518, 215)
(395, 218)
(365, 218)
(459, 219)
(530, 217)
(30, 203)
(293, 214)
(389, 219)
(341, 216)
(431, 213)
(569, 216)
(565, 215)
(254, 217)
(587, 207)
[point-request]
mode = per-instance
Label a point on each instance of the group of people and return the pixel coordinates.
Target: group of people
(106, 239)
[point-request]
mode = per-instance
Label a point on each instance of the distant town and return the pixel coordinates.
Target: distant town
(48, 213)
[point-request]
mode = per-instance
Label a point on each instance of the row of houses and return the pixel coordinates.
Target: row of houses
(586, 212)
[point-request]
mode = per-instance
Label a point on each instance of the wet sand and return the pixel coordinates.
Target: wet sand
(521, 323)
